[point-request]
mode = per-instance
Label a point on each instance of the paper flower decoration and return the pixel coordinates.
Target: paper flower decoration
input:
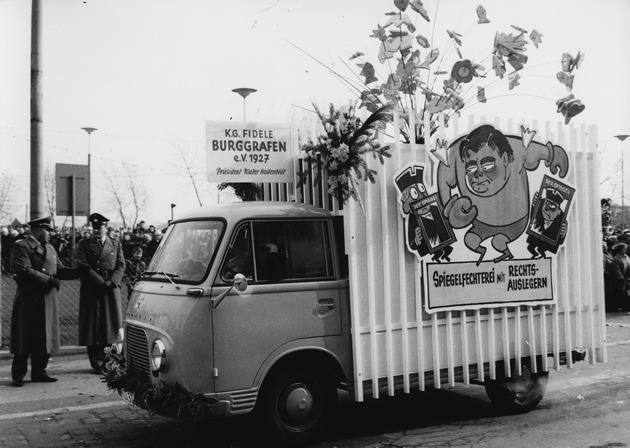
(398, 20)
(430, 59)
(417, 6)
(463, 71)
(379, 33)
(367, 70)
(369, 99)
(498, 65)
(481, 15)
(422, 41)
(457, 38)
(412, 83)
(514, 77)
(358, 54)
(519, 29)
(566, 79)
(569, 107)
(508, 44)
(517, 60)
(481, 94)
(569, 62)
(535, 37)
(401, 4)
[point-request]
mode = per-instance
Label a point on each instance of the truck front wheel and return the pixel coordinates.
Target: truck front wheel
(518, 394)
(296, 405)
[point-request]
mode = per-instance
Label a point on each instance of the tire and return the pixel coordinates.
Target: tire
(518, 394)
(295, 406)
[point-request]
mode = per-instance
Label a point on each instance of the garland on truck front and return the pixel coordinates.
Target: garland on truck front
(156, 398)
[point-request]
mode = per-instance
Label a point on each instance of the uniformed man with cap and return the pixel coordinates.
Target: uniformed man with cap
(34, 320)
(100, 309)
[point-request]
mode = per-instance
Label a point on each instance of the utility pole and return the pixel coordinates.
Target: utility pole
(623, 193)
(89, 180)
(37, 159)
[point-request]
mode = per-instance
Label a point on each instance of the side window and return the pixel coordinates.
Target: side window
(310, 251)
(239, 258)
(271, 251)
(292, 250)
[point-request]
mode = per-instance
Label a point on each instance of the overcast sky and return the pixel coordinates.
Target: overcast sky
(149, 73)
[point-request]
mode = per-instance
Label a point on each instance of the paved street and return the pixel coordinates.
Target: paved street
(588, 406)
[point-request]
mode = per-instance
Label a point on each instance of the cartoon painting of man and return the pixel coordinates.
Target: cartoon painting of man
(548, 226)
(427, 231)
(488, 170)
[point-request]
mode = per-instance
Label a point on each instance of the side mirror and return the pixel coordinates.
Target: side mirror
(240, 283)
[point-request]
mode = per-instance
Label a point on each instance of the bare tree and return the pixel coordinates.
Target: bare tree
(50, 190)
(127, 197)
(138, 193)
(189, 159)
(8, 194)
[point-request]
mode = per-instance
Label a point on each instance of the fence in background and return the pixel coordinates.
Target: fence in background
(68, 310)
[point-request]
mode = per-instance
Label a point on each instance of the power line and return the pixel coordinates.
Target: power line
(110, 160)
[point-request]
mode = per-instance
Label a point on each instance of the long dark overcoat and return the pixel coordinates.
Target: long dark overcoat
(100, 310)
(35, 318)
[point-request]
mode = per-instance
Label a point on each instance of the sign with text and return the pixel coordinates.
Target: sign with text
(466, 285)
(489, 229)
(71, 183)
(249, 152)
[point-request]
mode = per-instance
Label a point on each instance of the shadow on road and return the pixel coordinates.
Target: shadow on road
(353, 423)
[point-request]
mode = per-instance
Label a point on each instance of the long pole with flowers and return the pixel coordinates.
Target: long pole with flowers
(417, 84)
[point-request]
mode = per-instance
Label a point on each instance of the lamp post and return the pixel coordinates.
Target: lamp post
(172, 207)
(89, 182)
(244, 92)
(621, 138)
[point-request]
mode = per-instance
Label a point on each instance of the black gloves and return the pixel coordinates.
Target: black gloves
(53, 283)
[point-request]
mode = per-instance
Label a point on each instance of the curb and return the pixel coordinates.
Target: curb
(63, 351)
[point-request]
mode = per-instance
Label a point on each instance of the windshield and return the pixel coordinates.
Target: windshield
(187, 251)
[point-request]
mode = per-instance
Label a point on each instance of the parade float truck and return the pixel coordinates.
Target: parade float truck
(479, 262)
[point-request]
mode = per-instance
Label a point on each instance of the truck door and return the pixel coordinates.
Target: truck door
(292, 295)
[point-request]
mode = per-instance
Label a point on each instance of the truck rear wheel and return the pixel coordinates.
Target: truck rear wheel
(296, 406)
(518, 394)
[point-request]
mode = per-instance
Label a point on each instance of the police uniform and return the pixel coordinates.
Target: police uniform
(34, 318)
(100, 309)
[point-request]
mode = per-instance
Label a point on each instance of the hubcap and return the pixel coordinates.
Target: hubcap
(299, 402)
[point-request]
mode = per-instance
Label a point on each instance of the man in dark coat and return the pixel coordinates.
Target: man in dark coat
(100, 310)
(35, 319)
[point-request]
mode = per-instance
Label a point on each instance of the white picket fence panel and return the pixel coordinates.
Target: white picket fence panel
(398, 346)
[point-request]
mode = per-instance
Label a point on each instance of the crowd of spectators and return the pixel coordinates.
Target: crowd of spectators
(616, 247)
(139, 245)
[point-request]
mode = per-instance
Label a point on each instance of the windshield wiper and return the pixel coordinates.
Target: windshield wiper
(165, 274)
(170, 277)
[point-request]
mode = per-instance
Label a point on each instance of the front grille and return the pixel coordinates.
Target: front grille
(138, 350)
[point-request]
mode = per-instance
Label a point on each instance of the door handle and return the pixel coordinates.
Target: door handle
(194, 292)
(325, 306)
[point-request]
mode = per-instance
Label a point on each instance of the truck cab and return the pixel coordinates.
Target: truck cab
(247, 304)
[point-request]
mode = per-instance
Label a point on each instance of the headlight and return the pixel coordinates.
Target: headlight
(158, 356)
(120, 339)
